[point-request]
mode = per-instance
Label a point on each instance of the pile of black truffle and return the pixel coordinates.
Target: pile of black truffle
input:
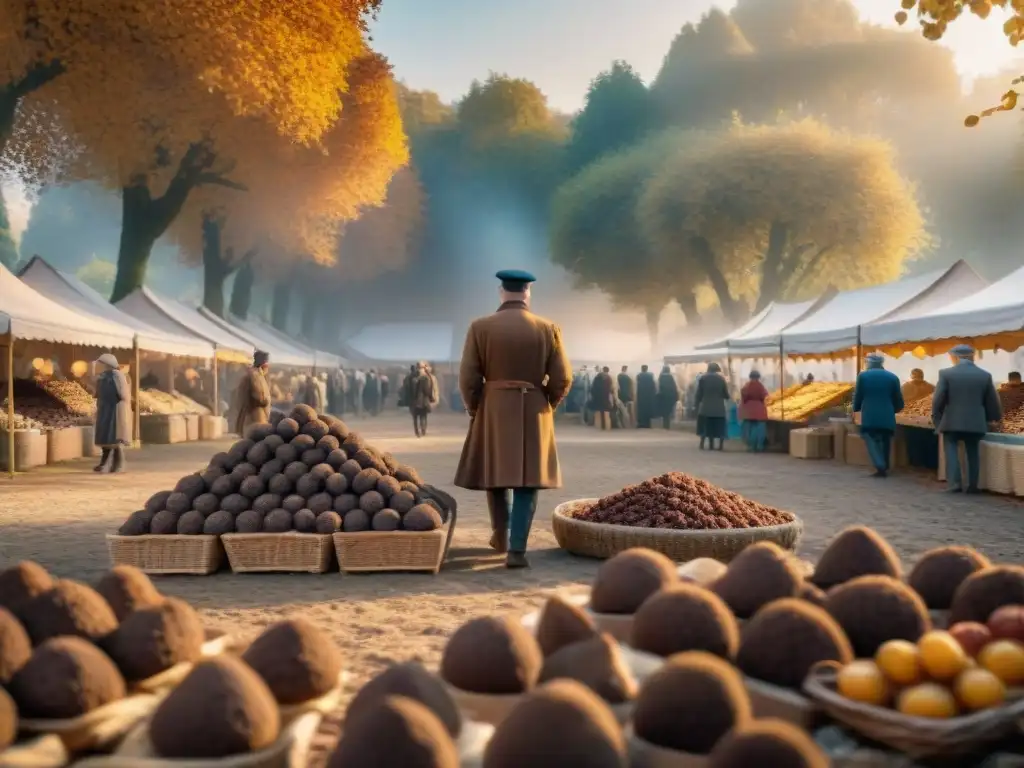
(302, 472)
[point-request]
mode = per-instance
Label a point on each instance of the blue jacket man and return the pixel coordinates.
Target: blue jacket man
(878, 399)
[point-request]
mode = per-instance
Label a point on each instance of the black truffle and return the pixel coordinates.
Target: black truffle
(365, 458)
(242, 471)
(266, 503)
(252, 487)
(249, 521)
(157, 502)
(221, 708)
(559, 720)
(388, 486)
(385, 520)
(190, 485)
(154, 639)
(314, 456)
(258, 432)
(402, 502)
(626, 580)
(355, 521)
(70, 609)
(874, 609)
(15, 646)
(768, 742)
(275, 417)
(191, 523)
(137, 524)
(406, 473)
(8, 720)
(335, 457)
(857, 551)
(238, 450)
(562, 624)
(219, 523)
(286, 454)
(365, 481)
(785, 639)
(178, 503)
(320, 502)
(65, 678)
(324, 470)
(303, 443)
(273, 442)
(336, 484)
(280, 485)
(288, 428)
(295, 471)
(396, 731)
(225, 486)
(293, 503)
(690, 703)
(222, 461)
(352, 444)
(329, 443)
(422, 517)
(371, 502)
(315, 429)
(259, 455)
(338, 429)
(303, 413)
(411, 680)
(492, 655)
(297, 660)
(270, 469)
(761, 573)
(345, 503)
(236, 503)
(685, 617)
(411, 488)
(206, 504)
(126, 588)
(309, 485)
(278, 521)
(165, 522)
(984, 592)
(936, 576)
(597, 663)
(350, 469)
(304, 521)
(328, 522)
(210, 474)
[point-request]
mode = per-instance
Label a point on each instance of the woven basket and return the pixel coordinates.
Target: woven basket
(603, 540)
(276, 552)
(198, 555)
(38, 752)
(369, 551)
(914, 736)
(996, 474)
(772, 701)
(1015, 456)
(97, 730)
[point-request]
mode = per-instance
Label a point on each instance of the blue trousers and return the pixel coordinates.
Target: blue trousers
(878, 442)
(972, 453)
(755, 433)
(522, 506)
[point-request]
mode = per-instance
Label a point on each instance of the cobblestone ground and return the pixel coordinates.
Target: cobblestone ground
(58, 517)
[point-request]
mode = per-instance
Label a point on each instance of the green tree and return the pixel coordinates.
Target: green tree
(617, 114)
(99, 275)
(770, 212)
(8, 249)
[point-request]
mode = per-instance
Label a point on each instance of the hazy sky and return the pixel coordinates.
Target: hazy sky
(561, 44)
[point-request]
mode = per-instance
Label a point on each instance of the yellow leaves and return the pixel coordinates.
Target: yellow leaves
(937, 15)
(901, 16)
(1006, 104)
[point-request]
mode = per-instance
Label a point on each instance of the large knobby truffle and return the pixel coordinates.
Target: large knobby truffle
(297, 661)
(562, 623)
(422, 517)
(492, 655)
(982, 593)
(691, 703)
(936, 576)
(761, 573)
(66, 677)
(768, 742)
(874, 609)
(630, 577)
(396, 732)
(598, 664)
(8, 720)
(785, 639)
(15, 646)
(857, 551)
(685, 618)
(126, 588)
(221, 708)
(412, 680)
(154, 639)
(71, 609)
(562, 723)
(22, 582)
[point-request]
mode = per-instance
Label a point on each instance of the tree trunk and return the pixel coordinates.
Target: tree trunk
(215, 270)
(772, 278)
(13, 92)
(687, 302)
(141, 227)
(241, 291)
(281, 305)
(653, 317)
(8, 109)
(705, 258)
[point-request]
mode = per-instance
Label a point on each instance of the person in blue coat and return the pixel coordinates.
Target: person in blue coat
(877, 398)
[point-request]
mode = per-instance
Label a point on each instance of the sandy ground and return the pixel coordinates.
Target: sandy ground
(58, 516)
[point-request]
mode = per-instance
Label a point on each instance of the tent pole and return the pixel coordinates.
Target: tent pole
(136, 388)
(10, 405)
(860, 351)
(216, 383)
(782, 380)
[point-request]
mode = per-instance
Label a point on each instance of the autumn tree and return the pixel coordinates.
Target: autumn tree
(771, 212)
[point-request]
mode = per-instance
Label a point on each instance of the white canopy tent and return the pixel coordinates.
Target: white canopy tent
(990, 318)
(835, 326)
(71, 292)
(279, 355)
(323, 359)
(405, 342)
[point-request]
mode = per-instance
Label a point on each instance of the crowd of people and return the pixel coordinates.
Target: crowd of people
(622, 401)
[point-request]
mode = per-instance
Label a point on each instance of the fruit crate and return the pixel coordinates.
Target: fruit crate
(290, 552)
(166, 554)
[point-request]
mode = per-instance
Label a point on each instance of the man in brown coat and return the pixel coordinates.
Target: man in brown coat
(514, 374)
(253, 395)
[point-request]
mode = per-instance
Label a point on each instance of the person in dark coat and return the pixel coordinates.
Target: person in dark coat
(113, 429)
(710, 398)
(964, 404)
(878, 398)
(422, 396)
(627, 394)
(252, 395)
(646, 398)
(602, 398)
(667, 397)
(754, 412)
(405, 393)
(371, 393)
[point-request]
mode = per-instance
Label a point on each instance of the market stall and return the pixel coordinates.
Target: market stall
(324, 360)
(280, 355)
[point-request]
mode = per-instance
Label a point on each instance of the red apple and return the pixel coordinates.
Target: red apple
(1007, 623)
(972, 636)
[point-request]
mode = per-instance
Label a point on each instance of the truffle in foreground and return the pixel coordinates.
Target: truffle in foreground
(768, 743)
(66, 677)
(411, 680)
(296, 660)
(624, 581)
(396, 732)
(492, 655)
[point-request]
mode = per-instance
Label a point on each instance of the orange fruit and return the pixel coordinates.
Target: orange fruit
(900, 660)
(942, 657)
(1004, 659)
(863, 681)
(979, 689)
(927, 700)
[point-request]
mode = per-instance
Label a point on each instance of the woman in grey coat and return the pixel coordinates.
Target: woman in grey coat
(711, 396)
(113, 414)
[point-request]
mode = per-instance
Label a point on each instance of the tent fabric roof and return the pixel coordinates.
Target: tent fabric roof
(322, 359)
(404, 342)
(279, 355)
(995, 309)
(697, 355)
(172, 316)
(72, 292)
(26, 313)
(754, 338)
(834, 325)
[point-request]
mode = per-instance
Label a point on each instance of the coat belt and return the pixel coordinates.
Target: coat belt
(522, 386)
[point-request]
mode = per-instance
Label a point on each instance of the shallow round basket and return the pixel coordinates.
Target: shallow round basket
(603, 540)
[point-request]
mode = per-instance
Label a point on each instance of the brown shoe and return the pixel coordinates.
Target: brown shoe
(499, 541)
(517, 560)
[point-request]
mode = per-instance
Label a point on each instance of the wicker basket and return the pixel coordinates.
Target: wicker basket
(38, 752)
(270, 552)
(199, 555)
(395, 550)
(772, 701)
(603, 540)
(96, 730)
(915, 736)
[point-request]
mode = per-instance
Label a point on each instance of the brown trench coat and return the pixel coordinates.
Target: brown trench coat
(252, 399)
(514, 374)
